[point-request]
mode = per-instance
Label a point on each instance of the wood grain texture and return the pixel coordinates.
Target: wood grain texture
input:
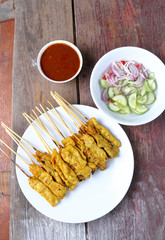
(6, 10)
(104, 25)
(4, 216)
(5, 183)
(6, 56)
(100, 27)
(36, 23)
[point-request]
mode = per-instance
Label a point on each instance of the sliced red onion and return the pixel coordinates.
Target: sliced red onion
(116, 70)
(104, 96)
(129, 71)
(140, 85)
(143, 70)
(138, 81)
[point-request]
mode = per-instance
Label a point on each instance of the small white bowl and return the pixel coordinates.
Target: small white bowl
(151, 62)
(54, 42)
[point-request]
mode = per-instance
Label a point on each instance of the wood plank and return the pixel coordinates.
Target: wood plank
(6, 10)
(5, 183)
(6, 56)
(37, 22)
(100, 27)
(4, 216)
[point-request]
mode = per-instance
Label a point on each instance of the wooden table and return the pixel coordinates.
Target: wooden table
(96, 27)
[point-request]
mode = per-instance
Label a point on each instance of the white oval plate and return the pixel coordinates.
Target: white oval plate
(151, 62)
(94, 197)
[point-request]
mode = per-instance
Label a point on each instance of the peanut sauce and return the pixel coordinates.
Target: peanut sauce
(60, 62)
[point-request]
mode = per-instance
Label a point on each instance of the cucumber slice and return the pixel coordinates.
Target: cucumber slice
(132, 88)
(142, 99)
(110, 92)
(151, 75)
(113, 107)
(115, 91)
(126, 90)
(151, 99)
(132, 100)
(141, 109)
(134, 110)
(147, 87)
(120, 99)
(125, 110)
(142, 90)
(103, 83)
(152, 84)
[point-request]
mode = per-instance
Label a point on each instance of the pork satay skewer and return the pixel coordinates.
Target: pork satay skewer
(97, 153)
(80, 161)
(50, 151)
(58, 189)
(38, 186)
(81, 146)
(72, 157)
(55, 165)
(47, 165)
(102, 130)
(70, 177)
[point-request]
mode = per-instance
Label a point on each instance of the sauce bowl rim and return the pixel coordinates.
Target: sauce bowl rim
(55, 42)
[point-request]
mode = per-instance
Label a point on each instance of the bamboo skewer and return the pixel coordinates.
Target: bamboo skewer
(58, 100)
(40, 137)
(62, 121)
(44, 130)
(41, 126)
(38, 119)
(58, 115)
(64, 100)
(13, 151)
(21, 145)
(68, 114)
(13, 162)
(50, 120)
(6, 127)
(79, 127)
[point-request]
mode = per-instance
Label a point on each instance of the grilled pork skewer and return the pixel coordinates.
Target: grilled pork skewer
(45, 161)
(39, 173)
(103, 131)
(65, 177)
(102, 136)
(38, 186)
(72, 156)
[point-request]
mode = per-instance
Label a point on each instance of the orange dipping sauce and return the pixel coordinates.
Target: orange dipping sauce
(60, 62)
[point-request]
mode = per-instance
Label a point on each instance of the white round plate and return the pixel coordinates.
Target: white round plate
(151, 62)
(94, 197)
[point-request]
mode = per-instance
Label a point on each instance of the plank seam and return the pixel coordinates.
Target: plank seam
(74, 39)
